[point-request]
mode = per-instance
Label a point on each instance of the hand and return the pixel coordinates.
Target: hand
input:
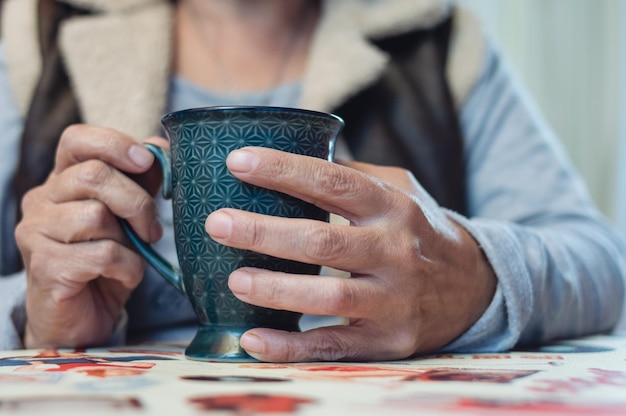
(78, 266)
(418, 281)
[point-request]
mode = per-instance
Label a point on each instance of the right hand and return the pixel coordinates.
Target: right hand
(79, 265)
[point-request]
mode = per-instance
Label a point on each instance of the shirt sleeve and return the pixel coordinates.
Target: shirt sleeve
(12, 287)
(560, 268)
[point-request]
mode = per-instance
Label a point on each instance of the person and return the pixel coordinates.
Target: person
(469, 230)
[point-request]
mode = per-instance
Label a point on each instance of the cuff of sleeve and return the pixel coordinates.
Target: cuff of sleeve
(501, 326)
(118, 337)
(12, 311)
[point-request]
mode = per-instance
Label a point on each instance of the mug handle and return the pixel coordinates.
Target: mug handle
(171, 273)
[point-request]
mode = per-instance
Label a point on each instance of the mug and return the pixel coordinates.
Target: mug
(197, 181)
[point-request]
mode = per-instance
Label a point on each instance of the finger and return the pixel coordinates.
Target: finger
(122, 196)
(151, 179)
(158, 141)
(315, 295)
(83, 142)
(77, 221)
(315, 242)
(335, 188)
(70, 267)
(399, 177)
(335, 343)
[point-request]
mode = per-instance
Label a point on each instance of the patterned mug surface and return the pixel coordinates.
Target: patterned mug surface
(195, 177)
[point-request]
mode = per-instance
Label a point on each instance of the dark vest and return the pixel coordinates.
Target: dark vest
(407, 118)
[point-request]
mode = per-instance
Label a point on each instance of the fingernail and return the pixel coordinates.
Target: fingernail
(240, 282)
(156, 230)
(140, 156)
(218, 225)
(242, 161)
(252, 343)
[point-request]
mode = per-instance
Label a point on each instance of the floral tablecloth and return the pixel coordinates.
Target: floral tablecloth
(580, 377)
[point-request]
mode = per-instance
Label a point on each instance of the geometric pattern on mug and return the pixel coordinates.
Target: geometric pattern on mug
(199, 147)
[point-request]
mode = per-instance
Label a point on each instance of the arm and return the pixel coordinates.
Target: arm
(13, 286)
(560, 266)
(419, 282)
(80, 271)
(42, 238)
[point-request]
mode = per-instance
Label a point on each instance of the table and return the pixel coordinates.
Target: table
(580, 377)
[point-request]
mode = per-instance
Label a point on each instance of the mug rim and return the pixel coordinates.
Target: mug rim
(265, 108)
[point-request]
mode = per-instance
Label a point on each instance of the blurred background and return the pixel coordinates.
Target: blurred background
(571, 54)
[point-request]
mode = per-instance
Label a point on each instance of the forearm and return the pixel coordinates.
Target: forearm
(578, 282)
(558, 281)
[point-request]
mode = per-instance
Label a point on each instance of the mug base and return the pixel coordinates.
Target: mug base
(218, 343)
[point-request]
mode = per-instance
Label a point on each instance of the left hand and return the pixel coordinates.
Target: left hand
(419, 280)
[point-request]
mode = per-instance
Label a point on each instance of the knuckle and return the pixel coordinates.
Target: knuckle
(342, 298)
(71, 134)
(95, 173)
(96, 214)
(331, 348)
(76, 133)
(26, 234)
(245, 230)
(322, 242)
(34, 202)
(404, 343)
(253, 231)
(20, 233)
(71, 138)
(404, 205)
(41, 268)
(110, 140)
(289, 349)
(292, 355)
(23, 231)
(30, 198)
(277, 164)
(109, 253)
(335, 180)
(144, 205)
(408, 249)
(404, 251)
(110, 262)
(274, 291)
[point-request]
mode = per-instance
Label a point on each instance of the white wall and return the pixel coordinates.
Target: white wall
(570, 54)
(621, 183)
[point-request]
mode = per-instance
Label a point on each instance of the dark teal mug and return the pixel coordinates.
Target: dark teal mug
(196, 179)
